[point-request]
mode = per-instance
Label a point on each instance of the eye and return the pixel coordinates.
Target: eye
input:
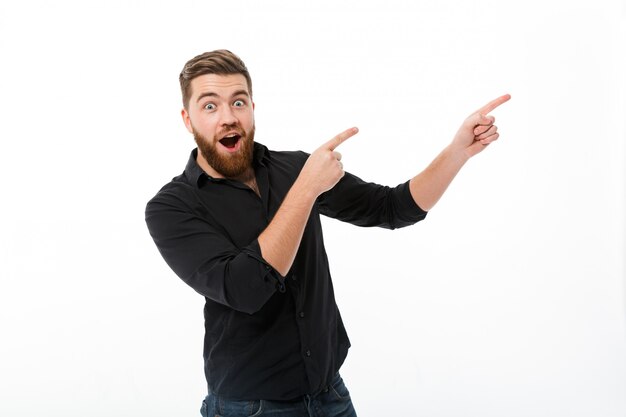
(239, 103)
(209, 106)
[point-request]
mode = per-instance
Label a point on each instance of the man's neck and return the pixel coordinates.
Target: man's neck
(248, 177)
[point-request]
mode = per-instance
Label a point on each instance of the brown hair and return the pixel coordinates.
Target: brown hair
(220, 62)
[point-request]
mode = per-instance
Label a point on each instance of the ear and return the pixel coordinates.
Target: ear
(186, 120)
(253, 105)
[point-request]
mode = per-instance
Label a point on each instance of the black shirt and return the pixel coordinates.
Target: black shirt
(266, 336)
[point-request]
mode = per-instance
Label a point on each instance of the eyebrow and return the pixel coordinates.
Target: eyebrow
(211, 94)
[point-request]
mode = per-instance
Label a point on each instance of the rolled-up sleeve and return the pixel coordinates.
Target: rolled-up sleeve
(367, 204)
(202, 256)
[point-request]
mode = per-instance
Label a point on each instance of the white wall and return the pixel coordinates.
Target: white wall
(509, 300)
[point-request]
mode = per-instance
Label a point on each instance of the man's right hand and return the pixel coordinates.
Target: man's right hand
(323, 170)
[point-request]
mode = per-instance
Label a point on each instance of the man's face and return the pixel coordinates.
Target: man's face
(221, 117)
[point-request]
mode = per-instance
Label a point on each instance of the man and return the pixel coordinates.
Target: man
(242, 227)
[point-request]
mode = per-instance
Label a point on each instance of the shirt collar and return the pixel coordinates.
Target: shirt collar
(194, 173)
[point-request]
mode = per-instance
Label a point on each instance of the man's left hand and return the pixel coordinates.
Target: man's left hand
(478, 130)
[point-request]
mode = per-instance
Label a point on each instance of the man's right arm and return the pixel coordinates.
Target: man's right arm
(279, 242)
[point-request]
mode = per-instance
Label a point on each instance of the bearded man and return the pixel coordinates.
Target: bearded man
(241, 226)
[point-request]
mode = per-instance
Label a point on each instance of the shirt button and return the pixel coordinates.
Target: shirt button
(308, 353)
(301, 314)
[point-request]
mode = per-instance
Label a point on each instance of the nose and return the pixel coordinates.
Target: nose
(227, 117)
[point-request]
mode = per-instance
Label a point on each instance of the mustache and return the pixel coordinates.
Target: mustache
(230, 129)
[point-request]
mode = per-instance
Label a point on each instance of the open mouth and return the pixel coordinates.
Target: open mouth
(230, 142)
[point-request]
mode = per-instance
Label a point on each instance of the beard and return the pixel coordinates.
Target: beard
(233, 165)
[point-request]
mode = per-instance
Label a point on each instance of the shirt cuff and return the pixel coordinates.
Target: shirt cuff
(254, 251)
(406, 205)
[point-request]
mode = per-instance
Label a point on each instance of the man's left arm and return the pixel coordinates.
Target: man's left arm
(474, 135)
(368, 204)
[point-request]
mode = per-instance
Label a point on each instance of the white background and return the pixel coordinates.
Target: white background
(508, 300)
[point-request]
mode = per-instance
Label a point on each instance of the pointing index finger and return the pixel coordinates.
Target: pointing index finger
(493, 104)
(340, 138)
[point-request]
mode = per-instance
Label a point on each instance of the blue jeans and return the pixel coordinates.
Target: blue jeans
(334, 401)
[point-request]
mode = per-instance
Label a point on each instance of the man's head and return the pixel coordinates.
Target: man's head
(219, 111)
(220, 62)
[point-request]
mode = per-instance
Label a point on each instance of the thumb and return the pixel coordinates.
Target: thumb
(477, 119)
